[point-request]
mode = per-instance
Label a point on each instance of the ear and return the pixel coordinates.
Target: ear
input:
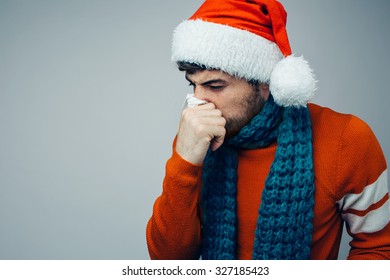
(264, 90)
(264, 86)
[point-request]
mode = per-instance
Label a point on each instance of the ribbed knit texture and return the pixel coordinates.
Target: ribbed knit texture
(284, 227)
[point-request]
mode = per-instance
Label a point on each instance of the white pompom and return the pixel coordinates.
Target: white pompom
(292, 82)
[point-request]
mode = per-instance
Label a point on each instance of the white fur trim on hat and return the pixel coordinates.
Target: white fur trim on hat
(292, 82)
(235, 51)
(246, 55)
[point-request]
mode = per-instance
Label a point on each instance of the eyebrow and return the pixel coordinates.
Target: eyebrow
(207, 82)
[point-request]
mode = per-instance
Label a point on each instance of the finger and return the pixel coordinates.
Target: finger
(192, 113)
(212, 121)
(218, 140)
(206, 106)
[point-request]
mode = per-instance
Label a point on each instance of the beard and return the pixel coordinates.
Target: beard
(249, 108)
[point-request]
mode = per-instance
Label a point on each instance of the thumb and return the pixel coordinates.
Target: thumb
(217, 142)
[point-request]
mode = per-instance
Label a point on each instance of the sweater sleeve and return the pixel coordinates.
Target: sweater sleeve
(173, 231)
(363, 193)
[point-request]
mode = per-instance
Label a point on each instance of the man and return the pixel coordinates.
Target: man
(257, 172)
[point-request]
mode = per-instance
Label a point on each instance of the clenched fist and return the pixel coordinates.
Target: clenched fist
(199, 128)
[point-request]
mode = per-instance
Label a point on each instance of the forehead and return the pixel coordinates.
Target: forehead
(205, 75)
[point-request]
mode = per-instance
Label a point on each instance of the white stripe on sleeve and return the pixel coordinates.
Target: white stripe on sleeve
(370, 195)
(373, 221)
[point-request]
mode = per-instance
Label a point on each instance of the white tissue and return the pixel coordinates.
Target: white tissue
(192, 101)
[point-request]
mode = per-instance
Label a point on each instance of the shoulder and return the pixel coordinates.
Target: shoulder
(346, 148)
(329, 124)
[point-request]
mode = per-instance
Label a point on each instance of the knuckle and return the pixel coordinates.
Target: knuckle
(211, 105)
(199, 129)
(195, 122)
(184, 113)
(187, 114)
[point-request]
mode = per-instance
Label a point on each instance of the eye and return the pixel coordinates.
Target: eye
(216, 87)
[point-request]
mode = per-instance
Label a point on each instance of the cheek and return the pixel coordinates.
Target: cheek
(233, 102)
(232, 109)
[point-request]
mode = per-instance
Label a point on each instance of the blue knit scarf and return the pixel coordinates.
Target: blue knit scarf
(284, 226)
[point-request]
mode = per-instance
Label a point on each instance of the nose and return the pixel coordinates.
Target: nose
(201, 94)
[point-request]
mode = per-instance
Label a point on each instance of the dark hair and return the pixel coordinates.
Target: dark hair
(192, 68)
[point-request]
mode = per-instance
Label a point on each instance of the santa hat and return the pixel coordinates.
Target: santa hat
(246, 39)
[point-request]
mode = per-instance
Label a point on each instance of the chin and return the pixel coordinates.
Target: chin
(233, 127)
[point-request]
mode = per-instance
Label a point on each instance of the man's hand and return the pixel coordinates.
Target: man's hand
(199, 128)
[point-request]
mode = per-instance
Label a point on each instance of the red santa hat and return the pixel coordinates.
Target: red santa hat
(247, 39)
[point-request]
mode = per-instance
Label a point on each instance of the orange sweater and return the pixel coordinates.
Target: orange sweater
(351, 185)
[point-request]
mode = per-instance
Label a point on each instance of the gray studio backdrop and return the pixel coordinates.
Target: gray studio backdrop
(89, 105)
